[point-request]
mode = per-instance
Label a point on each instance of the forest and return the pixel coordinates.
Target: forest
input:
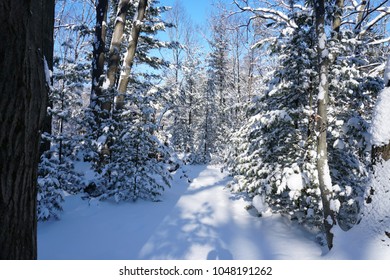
(289, 98)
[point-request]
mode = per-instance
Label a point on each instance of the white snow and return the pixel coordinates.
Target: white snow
(119, 19)
(106, 84)
(380, 128)
(48, 72)
(322, 41)
(261, 206)
(335, 205)
(321, 92)
(295, 184)
(377, 213)
(198, 218)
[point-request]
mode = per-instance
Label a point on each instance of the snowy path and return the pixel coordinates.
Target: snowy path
(199, 219)
(208, 222)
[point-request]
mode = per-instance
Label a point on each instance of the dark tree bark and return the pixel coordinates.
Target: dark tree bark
(24, 26)
(98, 102)
(47, 47)
(382, 152)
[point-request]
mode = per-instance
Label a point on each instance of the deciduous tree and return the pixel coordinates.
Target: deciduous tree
(24, 83)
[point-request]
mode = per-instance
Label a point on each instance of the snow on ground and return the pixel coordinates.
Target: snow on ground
(198, 218)
(380, 128)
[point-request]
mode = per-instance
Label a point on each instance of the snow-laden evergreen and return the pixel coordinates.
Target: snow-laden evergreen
(275, 148)
(138, 164)
(348, 131)
(70, 76)
(130, 154)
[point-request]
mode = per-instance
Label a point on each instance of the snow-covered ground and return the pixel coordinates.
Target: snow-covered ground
(198, 218)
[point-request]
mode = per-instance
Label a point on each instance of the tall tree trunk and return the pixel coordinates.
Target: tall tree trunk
(130, 54)
(325, 182)
(25, 46)
(47, 48)
(116, 41)
(98, 102)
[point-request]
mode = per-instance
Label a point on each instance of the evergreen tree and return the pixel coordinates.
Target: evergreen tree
(135, 155)
(352, 97)
(70, 76)
(220, 89)
(275, 149)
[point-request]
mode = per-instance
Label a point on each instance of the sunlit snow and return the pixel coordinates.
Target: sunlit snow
(380, 129)
(198, 218)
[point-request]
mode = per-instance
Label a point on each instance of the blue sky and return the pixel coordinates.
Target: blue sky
(197, 9)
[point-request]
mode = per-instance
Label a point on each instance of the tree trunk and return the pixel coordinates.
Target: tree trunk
(25, 26)
(97, 99)
(325, 182)
(130, 54)
(48, 52)
(382, 152)
(337, 18)
(116, 41)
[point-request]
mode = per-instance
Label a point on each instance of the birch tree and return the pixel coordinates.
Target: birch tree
(130, 53)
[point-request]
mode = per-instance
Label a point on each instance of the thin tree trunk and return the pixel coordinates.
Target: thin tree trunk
(324, 178)
(130, 54)
(337, 18)
(116, 41)
(25, 46)
(97, 99)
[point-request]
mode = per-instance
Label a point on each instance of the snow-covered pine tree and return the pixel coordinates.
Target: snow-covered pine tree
(187, 108)
(71, 75)
(181, 90)
(352, 95)
(275, 156)
(220, 90)
(137, 161)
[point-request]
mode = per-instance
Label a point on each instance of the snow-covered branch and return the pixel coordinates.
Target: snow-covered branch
(267, 13)
(385, 11)
(378, 42)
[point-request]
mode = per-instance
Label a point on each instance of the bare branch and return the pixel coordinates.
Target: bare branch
(368, 12)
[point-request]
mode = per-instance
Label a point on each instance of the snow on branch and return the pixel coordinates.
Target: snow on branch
(295, 6)
(378, 42)
(261, 42)
(267, 13)
(384, 12)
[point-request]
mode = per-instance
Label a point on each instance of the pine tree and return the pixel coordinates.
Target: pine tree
(70, 76)
(220, 89)
(135, 154)
(275, 149)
